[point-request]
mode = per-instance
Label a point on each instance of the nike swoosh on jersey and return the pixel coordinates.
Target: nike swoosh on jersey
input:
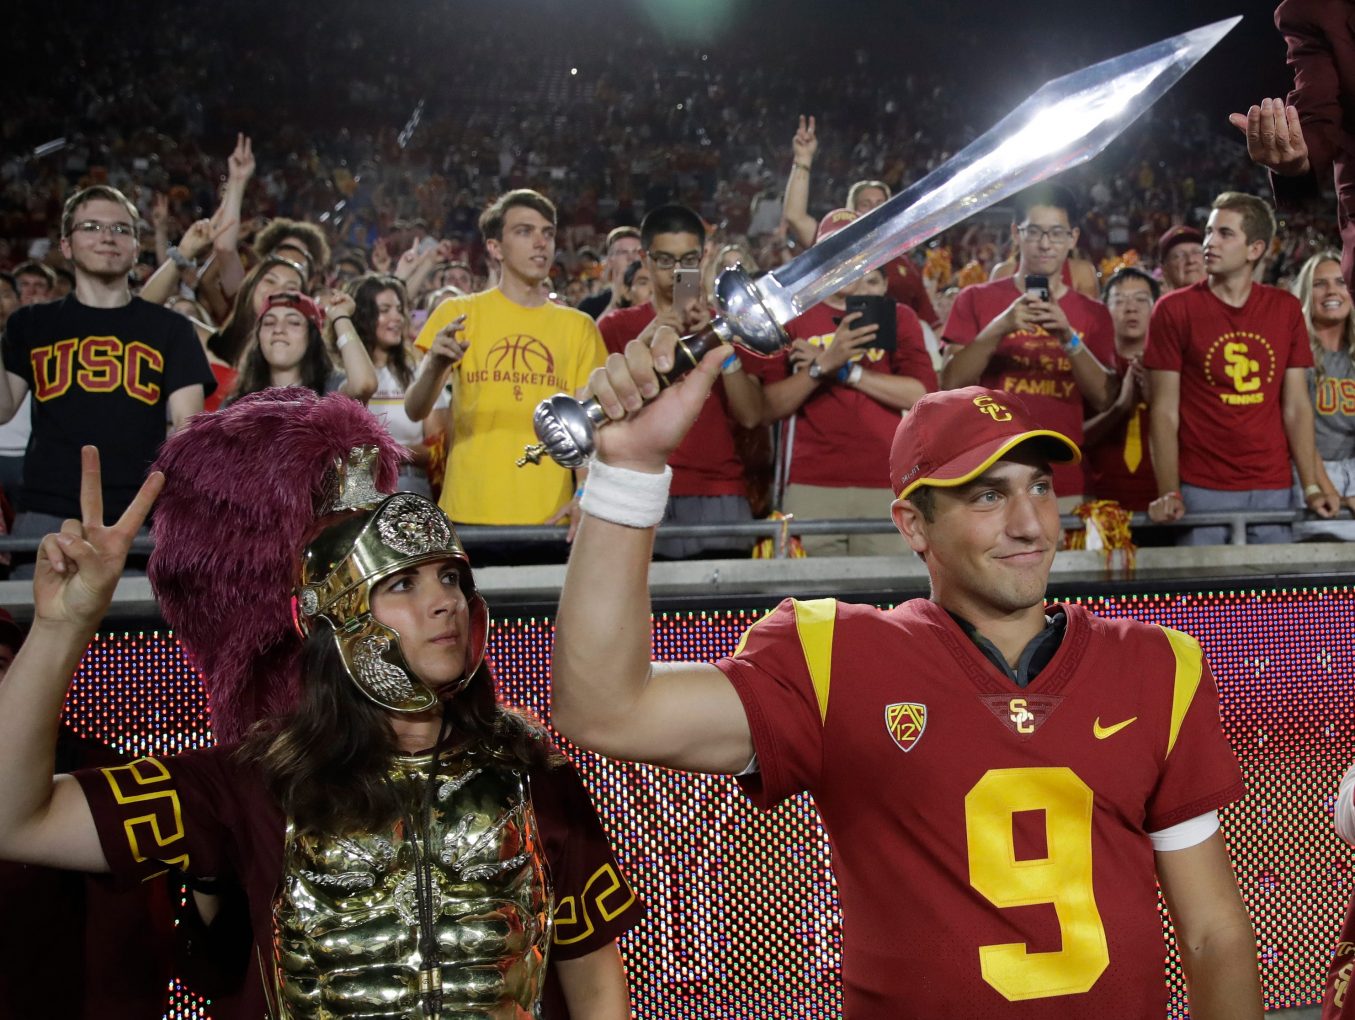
(1101, 732)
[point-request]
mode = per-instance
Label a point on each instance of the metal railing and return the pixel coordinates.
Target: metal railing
(1235, 521)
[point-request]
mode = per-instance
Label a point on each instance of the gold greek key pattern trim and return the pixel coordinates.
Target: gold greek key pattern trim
(134, 783)
(569, 909)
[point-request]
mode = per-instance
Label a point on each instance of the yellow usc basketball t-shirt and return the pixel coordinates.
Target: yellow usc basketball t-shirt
(517, 358)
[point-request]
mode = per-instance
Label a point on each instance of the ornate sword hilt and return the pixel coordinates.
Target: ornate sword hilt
(567, 427)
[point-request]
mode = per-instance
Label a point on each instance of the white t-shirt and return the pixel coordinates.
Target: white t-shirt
(388, 404)
(15, 432)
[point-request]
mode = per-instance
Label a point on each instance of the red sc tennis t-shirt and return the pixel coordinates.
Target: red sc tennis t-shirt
(1232, 363)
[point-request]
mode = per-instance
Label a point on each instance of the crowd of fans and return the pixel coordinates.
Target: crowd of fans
(336, 254)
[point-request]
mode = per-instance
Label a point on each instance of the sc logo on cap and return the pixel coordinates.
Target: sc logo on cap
(994, 410)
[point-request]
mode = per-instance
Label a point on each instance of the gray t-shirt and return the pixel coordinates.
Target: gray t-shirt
(1334, 406)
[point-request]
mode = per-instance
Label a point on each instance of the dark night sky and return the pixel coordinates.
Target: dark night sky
(1016, 45)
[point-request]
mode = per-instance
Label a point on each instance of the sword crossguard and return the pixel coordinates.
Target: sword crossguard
(567, 428)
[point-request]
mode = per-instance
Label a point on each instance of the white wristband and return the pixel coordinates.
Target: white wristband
(854, 376)
(634, 498)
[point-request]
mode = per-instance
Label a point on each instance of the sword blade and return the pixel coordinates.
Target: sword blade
(1067, 122)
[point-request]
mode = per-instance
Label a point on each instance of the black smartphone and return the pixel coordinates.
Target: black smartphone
(1038, 286)
(880, 310)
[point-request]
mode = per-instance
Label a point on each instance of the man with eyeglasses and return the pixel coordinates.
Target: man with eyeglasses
(105, 369)
(1032, 335)
(708, 474)
(1115, 442)
(623, 248)
(1180, 253)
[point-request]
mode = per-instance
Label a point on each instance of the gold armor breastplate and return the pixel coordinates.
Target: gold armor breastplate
(346, 926)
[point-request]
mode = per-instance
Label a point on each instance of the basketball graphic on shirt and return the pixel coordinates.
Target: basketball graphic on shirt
(1241, 363)
(521, 353)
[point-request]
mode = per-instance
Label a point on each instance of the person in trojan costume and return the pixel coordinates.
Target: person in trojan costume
(407, 846)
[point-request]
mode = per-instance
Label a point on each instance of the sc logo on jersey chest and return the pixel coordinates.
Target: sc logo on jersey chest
(97, 364)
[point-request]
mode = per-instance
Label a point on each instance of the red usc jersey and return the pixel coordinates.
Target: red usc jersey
(990, 842)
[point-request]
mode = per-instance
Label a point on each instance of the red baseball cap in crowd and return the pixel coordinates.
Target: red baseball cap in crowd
(833, 222)
(1179, 234)
(303, 304)
(951, 437)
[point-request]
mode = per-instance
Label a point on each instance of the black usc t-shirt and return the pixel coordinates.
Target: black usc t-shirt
(100, 377)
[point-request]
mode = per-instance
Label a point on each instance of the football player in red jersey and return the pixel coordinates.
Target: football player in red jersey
(1004, 783)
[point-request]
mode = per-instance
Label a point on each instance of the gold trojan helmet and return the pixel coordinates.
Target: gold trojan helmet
(367, 535)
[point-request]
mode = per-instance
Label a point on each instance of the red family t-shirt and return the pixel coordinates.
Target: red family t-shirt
(842, 436)
(706, 462)
(1033, 365)
(1232, 363)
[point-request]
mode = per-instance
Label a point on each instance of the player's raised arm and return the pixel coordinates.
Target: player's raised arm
(46, 821)
(607, 695)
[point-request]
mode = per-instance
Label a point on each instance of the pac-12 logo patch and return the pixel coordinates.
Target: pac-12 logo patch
(905, 721)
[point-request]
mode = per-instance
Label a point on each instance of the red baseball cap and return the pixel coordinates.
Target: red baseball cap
(951, 437)
(1179, 234)
(303, 304)
(833, 222)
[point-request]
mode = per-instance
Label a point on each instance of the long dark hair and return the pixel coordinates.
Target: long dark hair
(365, 290)
(230, 342)
(256, 374)
(326, 761)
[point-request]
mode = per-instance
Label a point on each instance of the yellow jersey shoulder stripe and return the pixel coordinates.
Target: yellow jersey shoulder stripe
(814, 621)
(1189, 670)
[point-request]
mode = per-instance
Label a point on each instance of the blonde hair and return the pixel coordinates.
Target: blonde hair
(1303, 290)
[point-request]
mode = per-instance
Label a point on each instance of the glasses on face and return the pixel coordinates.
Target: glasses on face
(93, 228)
(1185, 253)
(1059, 235)
(663, 260)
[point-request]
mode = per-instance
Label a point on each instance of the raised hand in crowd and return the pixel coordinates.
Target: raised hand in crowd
(1274, 137)
(848, 340)
(359, 372)
(241, 161)
(181, 264)
(224, 274)
(448, 345)
(795, 211)
(415, 267)
(1022, 316)
(160, 223)
(337, 305)
(381, 257)
(802, 354)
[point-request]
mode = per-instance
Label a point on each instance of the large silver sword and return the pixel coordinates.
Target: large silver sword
(1067, 122)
